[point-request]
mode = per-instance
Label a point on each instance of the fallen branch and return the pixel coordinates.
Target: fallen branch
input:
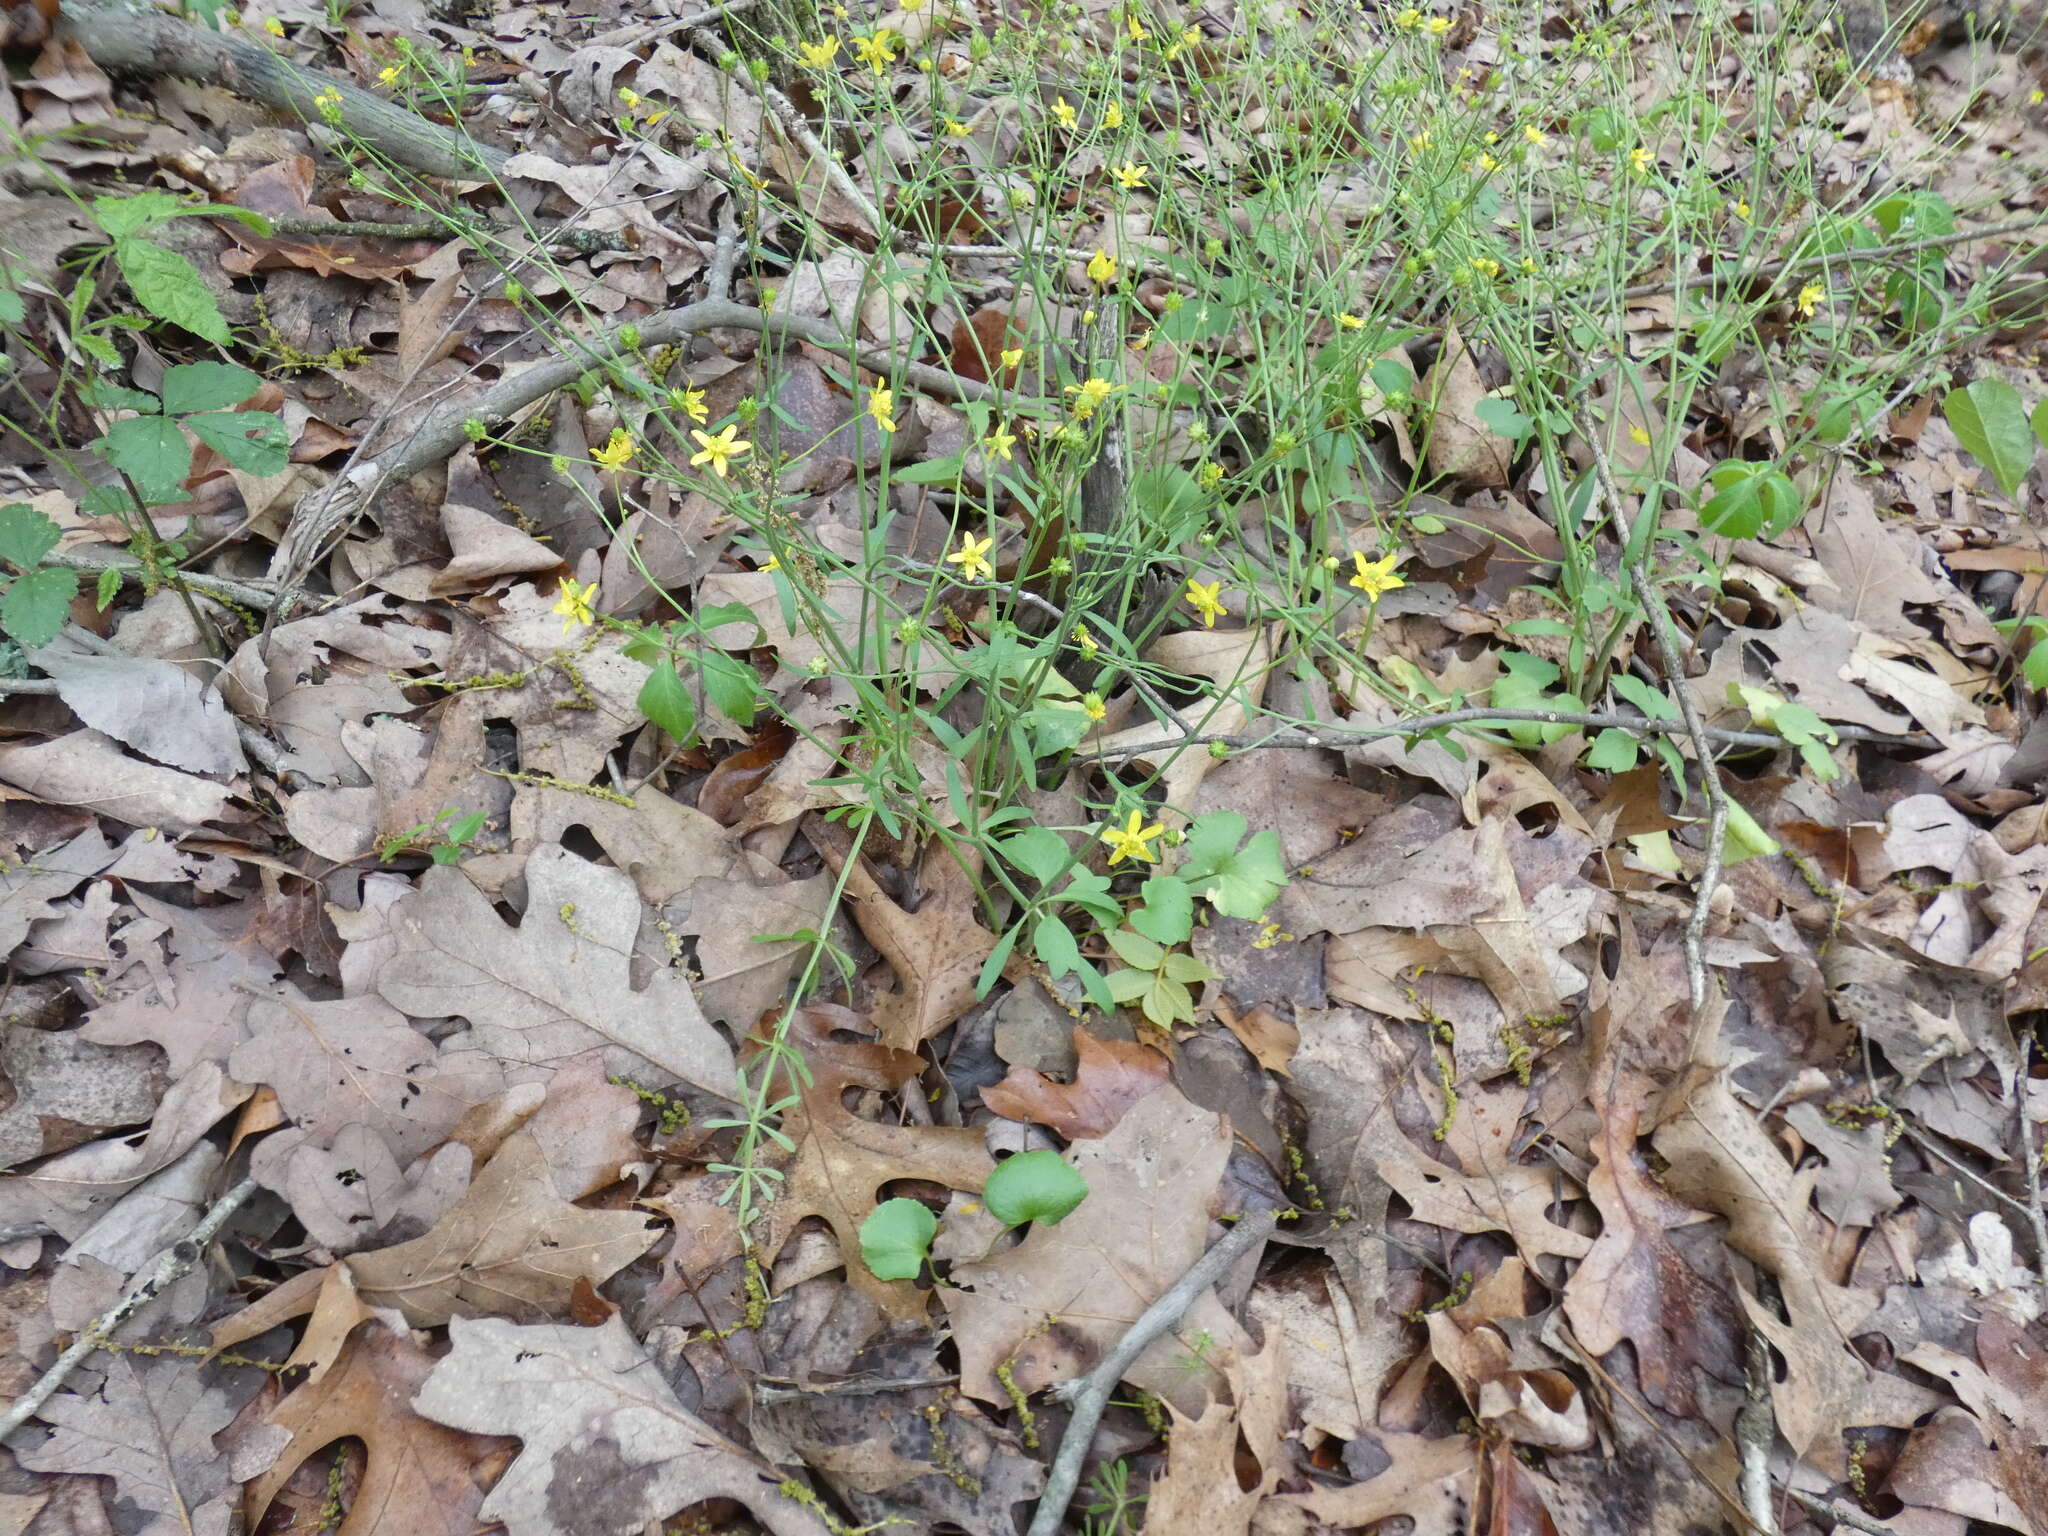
(248, 594)
(137, 41)
(1841, 1514)
(172, 1266)
(1755, 1430)
(582, 241)
(332, 509)
(1089, 1394)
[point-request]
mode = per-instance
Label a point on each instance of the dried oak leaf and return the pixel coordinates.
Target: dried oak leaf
(606, 1446)
(421, 1477)
(558, 984)
(1054, 1304)
(511, 1245)
(842, 1160)
(1109, 1077)
(150, 1427)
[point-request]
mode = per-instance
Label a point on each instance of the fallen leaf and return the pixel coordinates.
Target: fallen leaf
(1109, 1077)
(156, 707)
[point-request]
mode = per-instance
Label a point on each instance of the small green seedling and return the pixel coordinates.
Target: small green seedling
(444, 845)
(896, 1237)
(1033, 1186)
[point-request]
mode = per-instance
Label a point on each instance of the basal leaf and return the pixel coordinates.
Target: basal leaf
(1033, 1186)
(896, 1237)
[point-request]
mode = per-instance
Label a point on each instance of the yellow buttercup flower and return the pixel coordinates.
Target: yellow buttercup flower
(1375, 578)
(276, 29)
(1101, 267)
(691, 403)
(1205, 601)
(876, 51)
(1421, 141)
(881, 406)
(772, 563)
(617, 449)
(1093, 707)
(388, 75)
(1640, 160)
(1090, 394)
(1350, 322)
(1437, 26)
(1013, 357)
(1408, 19)
(1810, 298)
(573, 603)
(1639, 434)
(1485, 164)
(1113, 115)
(1064, 114)
(1132, 175)
(1131, 840)
(718, 448)
(1486, 266)
(1535, 135)
(1085, 640)
(1742, 210)
(629, 99)
(818, 55)
(972, 557)
(1000, 442)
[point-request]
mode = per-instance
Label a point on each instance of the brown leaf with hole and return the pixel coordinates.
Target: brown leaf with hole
(1109, 1077)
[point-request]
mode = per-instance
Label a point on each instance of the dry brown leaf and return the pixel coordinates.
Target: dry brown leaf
(421, 1477)
(1461, 446)
(511, 1246)
(557, 985)
(1430, 1481)
(1109, 1077)
(604, 1443)
(841, 1159)
(1152, 1184)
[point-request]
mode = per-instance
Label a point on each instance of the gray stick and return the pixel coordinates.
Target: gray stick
(172, 1266)
(1090, 1394)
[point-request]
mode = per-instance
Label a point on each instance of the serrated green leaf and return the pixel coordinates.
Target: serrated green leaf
(26, 535)
(169, 287)
(251, 440)
(151, 451)
(110, 583)
(664, 700)
(98, 348)
(1033, 1186)
(207, 387)
(1989, 420)
(33, 609)
(123, 216)
(1613, 751)
(896, 1237)
(731, 685)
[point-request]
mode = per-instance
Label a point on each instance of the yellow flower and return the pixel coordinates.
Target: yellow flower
(818, 55)
(876, 51)
(2034, 98)
(630, 99)
(617, 450)
(1528, 265)
(1113, 115)
(718, 448)
(1001, 441)
(1375, 578)
(1133, 30)
(1741, 210)
(1640, 160)
(1013, 357)
(1131, 174)
(912, 7)
(881, 405)
(1205, 601)
(1485, 164)
(1535, 135)
(956, 128)
(573, 603)
(1408, 19)
(1437, 26)
(276, 29)
(691, 403)
(972, 557)
(1064, 114)
(1087, 317)
(1421, 141)
(1810, 298)
(1085, 640)
(1101, 267)
(1486, 266)
(1350, 322)
(772, 563)
(1639, 434)
(1093, 707)
(1090, 394)
(1129, 840)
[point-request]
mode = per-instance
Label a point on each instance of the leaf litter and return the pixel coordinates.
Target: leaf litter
(480, 844)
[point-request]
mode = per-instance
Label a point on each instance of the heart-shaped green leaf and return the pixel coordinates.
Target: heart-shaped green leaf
(1032, 1186)
(896, 1237)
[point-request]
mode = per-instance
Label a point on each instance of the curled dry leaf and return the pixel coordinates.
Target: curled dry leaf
(1109, 1077)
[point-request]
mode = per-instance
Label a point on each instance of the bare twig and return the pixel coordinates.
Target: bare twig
(248, 594)
(1841, 1514)
(2032, 1155)
(632, 37)
(1089, 1394)
(172, 1266)
(584, 241)
(1755, 1429)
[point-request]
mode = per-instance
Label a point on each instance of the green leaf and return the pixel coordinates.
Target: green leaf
(665, 701)
(1128, 986)
(992, 967)
(730, 684)
(26, 535)
(1989, 420)
(1916, 215)
(124, 216)
(1613, 751)
(151, 451)
(1238, 882)
(1605, 129)
(251, 440)
(1651, 701)
(1168, 913)
(1750, 501)
(1135, 949)
(169, 287)
(110, 583)
(1033, 1186)
(1038, 851)
(34, 608)
(2040, 422)
(12, 310)
(1917, 300)
(2035, 667)
(932, 472)
(1054, 944)
(896, 1237)
(1502, 419)
(207, 386)
(1185, 968)
(1746, 840)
